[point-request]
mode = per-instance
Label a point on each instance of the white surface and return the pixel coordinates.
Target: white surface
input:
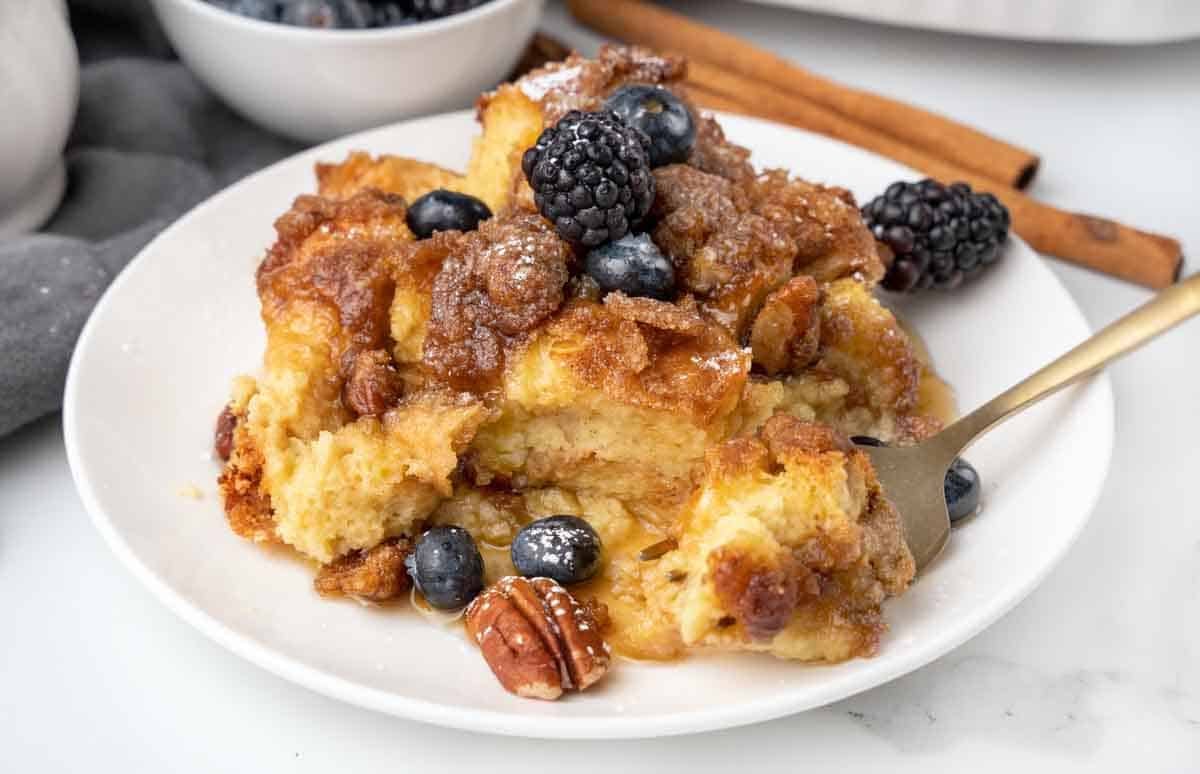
(1097, 21)
(186, 304)
(1097, 671)
(314, 85)
(39, 89)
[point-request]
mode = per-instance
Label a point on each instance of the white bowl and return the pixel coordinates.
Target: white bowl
(313, 85)
(39, 91)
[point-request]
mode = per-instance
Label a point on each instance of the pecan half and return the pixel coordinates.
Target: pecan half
(376, 575)
(538, 640)
(373, 385)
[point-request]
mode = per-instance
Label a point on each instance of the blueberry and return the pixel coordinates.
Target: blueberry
(962, 489)
(446, 567)
(322, 14)
(263, 10)
(664, 118)
(389, 14)
(563, 548)
(437, 9)
(354, 14)
(633, 265)
(443, 210)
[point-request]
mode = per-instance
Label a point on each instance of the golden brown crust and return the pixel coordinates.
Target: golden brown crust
(726, 254)
(734, 242)
(247, 506)
(715, 154)
(790, 439)
(337, 253)
(497, 284)
(822, 223)
(862, 343)
(683, 317)
(790, 546)
(578, 83)
(737, 456)
(374, 575)
(696, 374)
(404, 177)
(787, 330)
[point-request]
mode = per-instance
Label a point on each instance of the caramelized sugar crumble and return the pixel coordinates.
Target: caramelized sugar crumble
(496, 284)
(786, 335)
(577, 83)
(373, 575)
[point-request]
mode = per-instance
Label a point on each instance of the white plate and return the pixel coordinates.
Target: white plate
(153, 367)
(1078, 21)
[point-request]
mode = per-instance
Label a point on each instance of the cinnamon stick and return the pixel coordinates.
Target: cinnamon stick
(645, 24)
(1152, 260)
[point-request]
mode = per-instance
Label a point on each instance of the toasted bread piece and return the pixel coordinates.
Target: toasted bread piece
(734, 242)
(305, 470)
(404, 177)
(607, 406)
(511, 123)
(866, 379)
(789, 547)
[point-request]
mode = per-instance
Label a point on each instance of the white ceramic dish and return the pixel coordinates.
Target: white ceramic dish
(39, 91)
(313, 85)
(152, 370)
(1075, 21)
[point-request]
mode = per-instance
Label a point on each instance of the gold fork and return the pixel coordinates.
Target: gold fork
(914, 477)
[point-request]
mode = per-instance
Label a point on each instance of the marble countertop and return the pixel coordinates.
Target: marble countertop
(1098, 670)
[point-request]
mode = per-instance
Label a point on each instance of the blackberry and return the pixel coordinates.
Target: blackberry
(664, 118)
(591, 177)
(940, 235)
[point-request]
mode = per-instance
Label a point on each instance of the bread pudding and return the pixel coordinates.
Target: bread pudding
(483, 379)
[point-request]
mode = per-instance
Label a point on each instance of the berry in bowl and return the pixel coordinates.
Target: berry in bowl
(317, 69)
(347, 14)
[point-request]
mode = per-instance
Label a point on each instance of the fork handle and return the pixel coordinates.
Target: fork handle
(1167, 309)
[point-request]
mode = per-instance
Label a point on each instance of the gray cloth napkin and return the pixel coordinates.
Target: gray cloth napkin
(149, 143)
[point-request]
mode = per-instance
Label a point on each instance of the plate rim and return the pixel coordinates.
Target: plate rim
(498, 722)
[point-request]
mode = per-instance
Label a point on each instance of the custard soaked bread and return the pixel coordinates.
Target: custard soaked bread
(485, 379)
(789, 547)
